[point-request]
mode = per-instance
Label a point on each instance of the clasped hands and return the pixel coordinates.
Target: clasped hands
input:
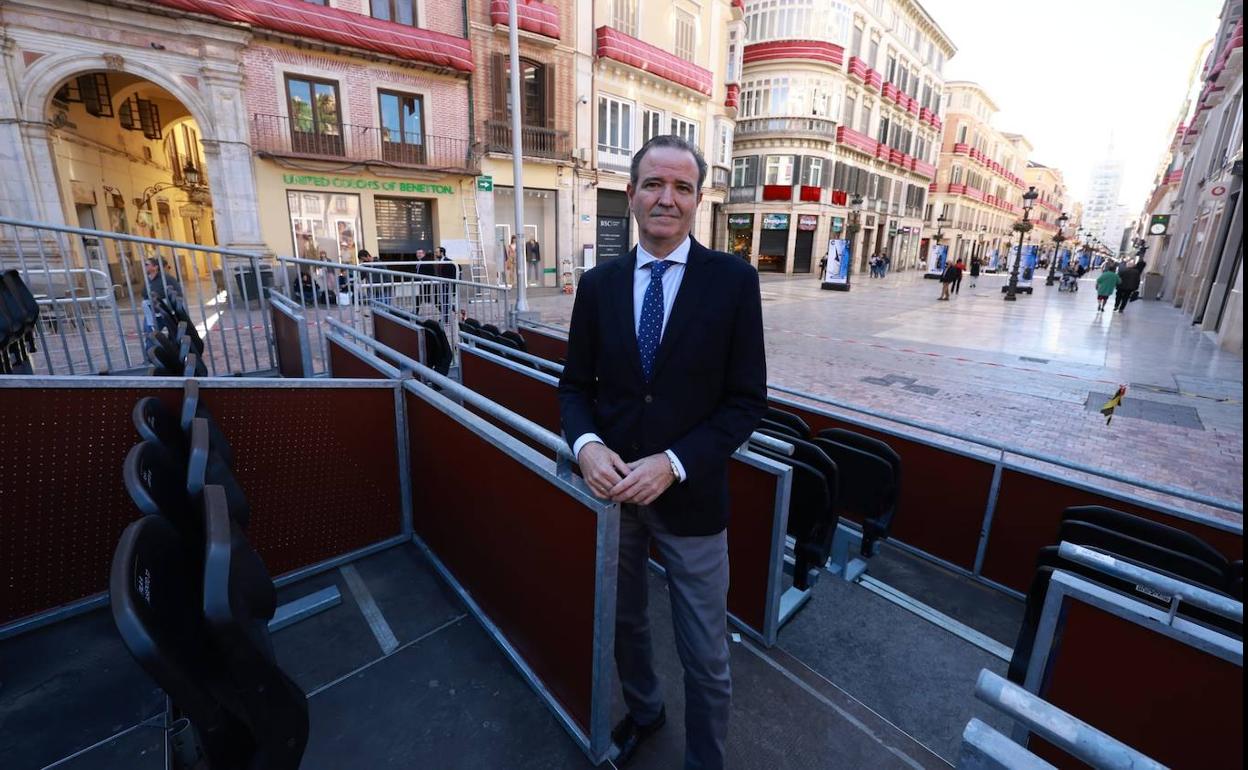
(639, 482)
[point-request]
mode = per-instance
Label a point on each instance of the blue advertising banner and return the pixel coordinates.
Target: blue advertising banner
(994, 261)
(837, 268)
(937, 255)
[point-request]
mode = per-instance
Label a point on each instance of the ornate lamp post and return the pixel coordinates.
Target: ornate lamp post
(1022, 227)
(852, 228)
(1058, 237)
(189, 183)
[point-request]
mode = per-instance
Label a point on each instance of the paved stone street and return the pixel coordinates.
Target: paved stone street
(1032, 374)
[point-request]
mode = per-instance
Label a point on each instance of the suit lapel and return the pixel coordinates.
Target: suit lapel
(685, 306)
(619, 307)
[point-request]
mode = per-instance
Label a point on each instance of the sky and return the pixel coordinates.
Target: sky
(1069, 73)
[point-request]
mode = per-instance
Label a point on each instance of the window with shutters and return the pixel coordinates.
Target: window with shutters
(851, 106)
(723, 143)
(686, 35)
(961, 134)
(882, 135)
(955, 175)
(779, 170)
(624, 16)
(402, 127)
(873, 54)
(686, 129)
(733, 74)
(315, 116)
(651, 124)
(398, 11)
(615, 130)
(812, 172)
(855, 47)
(745, 171)
(864, 118)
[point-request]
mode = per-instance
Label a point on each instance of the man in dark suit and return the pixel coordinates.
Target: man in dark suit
(666, 377)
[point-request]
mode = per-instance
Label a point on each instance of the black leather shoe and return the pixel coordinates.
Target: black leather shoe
(628, 735)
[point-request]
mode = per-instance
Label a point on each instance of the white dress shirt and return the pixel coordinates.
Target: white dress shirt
(672, 277)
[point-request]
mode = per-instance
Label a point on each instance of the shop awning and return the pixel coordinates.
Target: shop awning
(332, 25)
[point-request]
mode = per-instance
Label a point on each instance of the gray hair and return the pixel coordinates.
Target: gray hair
(675, 142)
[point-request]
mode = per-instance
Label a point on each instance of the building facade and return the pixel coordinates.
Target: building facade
(837, 100)
(1200, 258)
(977, 192)
(1051, 203)
(646, 68)
(345, 127)
(548, 108)
(1105, 215)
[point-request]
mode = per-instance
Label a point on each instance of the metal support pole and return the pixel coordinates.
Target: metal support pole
(1012, 287)
(517, 160)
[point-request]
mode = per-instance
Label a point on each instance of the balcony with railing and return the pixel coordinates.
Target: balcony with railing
(875, 81)
(802, 50)
(615, 45)
(818, 128)
(1174, 177)
(531, 16)
(960, 148)
(535, 141)
(280, 135)
(924, 168)
(855, 140)
(733, 96)
(858, 69)
(720, 177)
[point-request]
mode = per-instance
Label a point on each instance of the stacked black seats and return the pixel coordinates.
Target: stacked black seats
(192, 600)
(1151, 545)
(437, 347)
(19, 316)
(873, 481)
(516, 339)
(812, 503)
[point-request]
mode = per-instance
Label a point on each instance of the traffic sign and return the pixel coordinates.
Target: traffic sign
(485, 183)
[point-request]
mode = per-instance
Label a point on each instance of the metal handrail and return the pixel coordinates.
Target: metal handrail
(1071, 735)
(1177, 589)
(509, 418)
(503, 349)
(124, 237)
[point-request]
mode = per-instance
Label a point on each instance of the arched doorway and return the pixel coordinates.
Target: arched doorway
(129, 157)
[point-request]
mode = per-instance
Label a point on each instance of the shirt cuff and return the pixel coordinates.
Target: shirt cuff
(680, 469)
(587, 438)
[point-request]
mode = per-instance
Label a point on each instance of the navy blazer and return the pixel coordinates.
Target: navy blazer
(708, 390)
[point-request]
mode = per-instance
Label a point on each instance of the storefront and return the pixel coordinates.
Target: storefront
(741, 235)
(339, 214)
(535, 247)
(773, 244)
(803, 246)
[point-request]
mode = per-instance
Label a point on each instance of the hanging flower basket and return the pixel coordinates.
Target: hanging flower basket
(1023, 227)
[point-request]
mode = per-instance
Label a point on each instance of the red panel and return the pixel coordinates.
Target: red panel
(733, 97)
(345, 365)
(613, 44)
(874, 79)
(1029, 510)
(925, 168)
(753, 499)
(398, 335)
(856, 140)
(934, 515)
(544, 345)
(531, 15)
(524, 395)
(286, 340)
(521, 547)
(1168, 700)
(839, 197)
(332, 25)
(806, 50)
(858, 68)
(810, 194)
(777, 192)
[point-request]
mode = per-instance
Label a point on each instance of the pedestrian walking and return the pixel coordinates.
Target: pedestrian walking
(958, 267)
(975, 266)
(946, 280)
(653, 418)
(1106, 283)
(1127, 285)
(884, 264)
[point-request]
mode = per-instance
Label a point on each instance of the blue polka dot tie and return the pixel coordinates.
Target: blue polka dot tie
(650, 330)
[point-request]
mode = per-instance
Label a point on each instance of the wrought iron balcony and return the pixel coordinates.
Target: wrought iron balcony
(820, 128)
(282, 136)
(535, 141)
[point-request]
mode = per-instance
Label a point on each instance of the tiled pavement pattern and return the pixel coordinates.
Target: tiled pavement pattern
(1019, 373)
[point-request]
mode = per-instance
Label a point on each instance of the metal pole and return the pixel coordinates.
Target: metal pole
(1012, 287)
(517, 161)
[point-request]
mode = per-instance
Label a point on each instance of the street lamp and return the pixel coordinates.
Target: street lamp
(1029, 199)
(855, 212)
(189, 183)
(1058, 237)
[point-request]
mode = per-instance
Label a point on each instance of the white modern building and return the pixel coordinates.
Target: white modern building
(1103, 215)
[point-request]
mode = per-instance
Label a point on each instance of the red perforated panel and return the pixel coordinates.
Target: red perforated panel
(522, 394)
(286, 339)
(343, 364)
(545, 346)
(399, 336)
(521, 547)
(753, 498)
(1176, 704)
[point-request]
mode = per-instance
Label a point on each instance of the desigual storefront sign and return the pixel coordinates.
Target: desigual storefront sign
(353, 183)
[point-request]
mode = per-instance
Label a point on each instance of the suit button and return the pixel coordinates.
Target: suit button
(636, 447)
(649, 398)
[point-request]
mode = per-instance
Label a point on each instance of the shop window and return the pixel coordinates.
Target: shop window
(325, 222)
(402, 127)
(315, 116)
(398, 11)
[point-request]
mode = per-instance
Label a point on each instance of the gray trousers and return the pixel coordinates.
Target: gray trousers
(697, 579)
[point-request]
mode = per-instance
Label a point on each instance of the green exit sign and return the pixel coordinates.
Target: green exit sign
(485, 183)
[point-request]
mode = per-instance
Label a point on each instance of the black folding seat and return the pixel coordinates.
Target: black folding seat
(1117, 544)
(810, 508)
(206, 467)
(1049, 561)
(1151, 531)
(868, 490)
(163, 353)
(438, 347)
(792, 421)
(784, 431)
(154, 422)
(193, 367)
(492, 329)
(187, 331)
(157, 606)
(155, 479)
(867, 444)
(192, 408)
(516, 338)
(239, 601)
(470, 321)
